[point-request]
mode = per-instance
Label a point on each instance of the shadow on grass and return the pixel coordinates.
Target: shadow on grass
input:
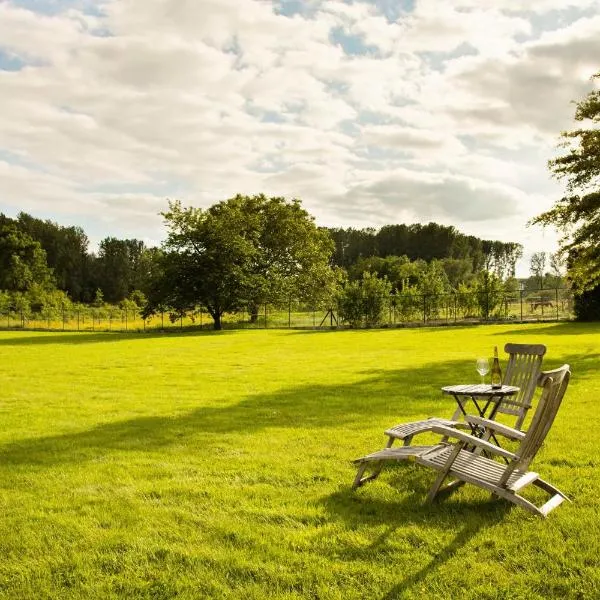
(352, 408)
(556, 329)
(24, 338)
(391, 395)
(363, 510)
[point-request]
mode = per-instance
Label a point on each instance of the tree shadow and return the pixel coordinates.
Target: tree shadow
(379, 393)
(555, 329)
(360, 407)
(24, 338)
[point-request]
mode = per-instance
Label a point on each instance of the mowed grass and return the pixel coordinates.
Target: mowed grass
(217, 465)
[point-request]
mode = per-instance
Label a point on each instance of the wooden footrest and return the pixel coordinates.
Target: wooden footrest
(399, 453)
(405, 430)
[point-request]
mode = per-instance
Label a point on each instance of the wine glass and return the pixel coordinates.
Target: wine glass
(483, 368)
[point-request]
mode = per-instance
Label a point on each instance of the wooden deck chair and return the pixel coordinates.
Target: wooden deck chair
(523, 368)
(460, 462)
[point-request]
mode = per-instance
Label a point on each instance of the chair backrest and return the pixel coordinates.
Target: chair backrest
(554, 385)
(523, 369)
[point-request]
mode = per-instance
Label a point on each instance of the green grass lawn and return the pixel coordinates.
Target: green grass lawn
(218, 465)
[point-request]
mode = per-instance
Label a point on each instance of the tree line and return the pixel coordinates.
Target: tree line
(242, 253)
(425, 243)
(51, 256)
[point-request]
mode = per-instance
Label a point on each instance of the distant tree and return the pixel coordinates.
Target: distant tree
(66, 252)
(537, 267)
(433, 285)
(489, 293)
(458, 270)
(425, 242)
(22, 261)
(122, 266)
(238, 253)
(556, 275)
(365, 301)
(98, 298)
(467, 300)
(396, 269)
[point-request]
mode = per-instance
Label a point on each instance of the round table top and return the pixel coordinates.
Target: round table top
(480, 389)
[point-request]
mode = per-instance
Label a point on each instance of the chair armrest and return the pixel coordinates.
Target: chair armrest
(505, 430)
(473, 441)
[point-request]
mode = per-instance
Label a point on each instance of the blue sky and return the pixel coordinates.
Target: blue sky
(371, 112)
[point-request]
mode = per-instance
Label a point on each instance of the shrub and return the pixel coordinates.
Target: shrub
(365, 300)
(587, 305)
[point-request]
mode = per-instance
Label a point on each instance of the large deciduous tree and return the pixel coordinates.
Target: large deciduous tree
(239, 253)
(577, 214)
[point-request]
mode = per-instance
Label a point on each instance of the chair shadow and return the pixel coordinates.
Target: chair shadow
(354, 507)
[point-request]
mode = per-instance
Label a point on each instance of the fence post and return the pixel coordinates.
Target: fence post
(487, 304)
(521, 294)
(265, 315)
(290, 314)
(162, 320)
(77, 319)
(455, 309)
(125, 318)
(424, 318)
(556, 300)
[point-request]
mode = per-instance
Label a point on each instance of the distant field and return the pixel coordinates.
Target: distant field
(217, 465)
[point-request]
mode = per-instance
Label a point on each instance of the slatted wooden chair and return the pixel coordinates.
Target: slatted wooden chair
(523, 368)
(459, 461)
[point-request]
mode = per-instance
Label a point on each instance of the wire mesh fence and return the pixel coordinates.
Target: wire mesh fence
(399, 310)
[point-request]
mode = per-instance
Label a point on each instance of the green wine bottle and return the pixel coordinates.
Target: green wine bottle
(496, 372)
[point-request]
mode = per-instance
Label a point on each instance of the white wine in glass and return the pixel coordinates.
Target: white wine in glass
(483, 367)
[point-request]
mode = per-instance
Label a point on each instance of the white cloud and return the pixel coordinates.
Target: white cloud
(450, 115)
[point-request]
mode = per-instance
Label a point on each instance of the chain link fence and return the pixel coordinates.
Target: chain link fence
(400, 310)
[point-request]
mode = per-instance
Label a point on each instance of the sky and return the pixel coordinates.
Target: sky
(370, 111)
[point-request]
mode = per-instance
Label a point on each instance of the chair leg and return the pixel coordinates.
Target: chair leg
(360, 480)
(451, 487)
(437, 484)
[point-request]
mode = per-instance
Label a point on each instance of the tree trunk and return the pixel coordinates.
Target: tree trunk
(217, 319)
(253, 311)
(216, 315)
